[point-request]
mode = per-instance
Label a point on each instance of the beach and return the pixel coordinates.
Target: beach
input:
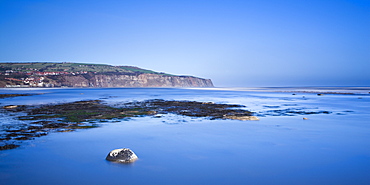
(330, 146)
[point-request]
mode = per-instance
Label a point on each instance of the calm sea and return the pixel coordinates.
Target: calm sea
(280, 148)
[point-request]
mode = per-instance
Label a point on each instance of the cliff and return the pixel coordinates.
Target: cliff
(139, 80)
(93, 75)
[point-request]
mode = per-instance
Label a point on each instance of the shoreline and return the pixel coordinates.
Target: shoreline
(332, 129)
(309, 90)
(355, 91)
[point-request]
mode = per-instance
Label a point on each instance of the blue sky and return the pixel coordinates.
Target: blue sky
(234, 43)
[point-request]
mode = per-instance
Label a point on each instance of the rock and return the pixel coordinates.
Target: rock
(123, 155)
(320, 94)
(8, 146)
(208, 103)
(242, 118)
(10, 107)
(305, 118)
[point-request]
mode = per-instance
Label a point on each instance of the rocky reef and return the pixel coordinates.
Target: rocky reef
(40, 120)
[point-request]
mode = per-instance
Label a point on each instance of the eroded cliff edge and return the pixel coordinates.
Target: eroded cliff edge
(137, 80)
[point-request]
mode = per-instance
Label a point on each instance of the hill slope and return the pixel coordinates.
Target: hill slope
(45, 74)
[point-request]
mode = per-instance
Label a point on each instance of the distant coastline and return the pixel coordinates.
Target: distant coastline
(67, 74)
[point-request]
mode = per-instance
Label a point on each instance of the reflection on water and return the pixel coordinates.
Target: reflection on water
(172, 149)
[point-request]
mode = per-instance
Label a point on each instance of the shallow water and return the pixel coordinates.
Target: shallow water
(325, 149)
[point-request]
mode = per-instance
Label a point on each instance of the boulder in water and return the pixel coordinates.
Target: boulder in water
(123, 155)
(242, 118)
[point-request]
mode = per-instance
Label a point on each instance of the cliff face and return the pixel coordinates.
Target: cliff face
(140, 80)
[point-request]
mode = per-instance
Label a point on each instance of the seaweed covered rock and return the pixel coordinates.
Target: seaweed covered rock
(123, 155)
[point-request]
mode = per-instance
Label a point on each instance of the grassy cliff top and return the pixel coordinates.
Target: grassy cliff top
(71, 67)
